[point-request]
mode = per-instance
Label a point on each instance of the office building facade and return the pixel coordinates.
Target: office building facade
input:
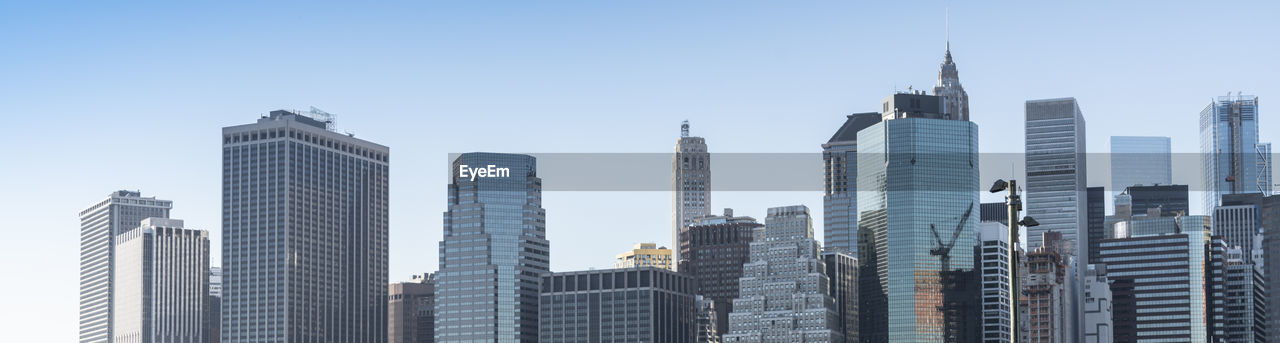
(842, 273)
(719, 247)
(993, 250)
(1096, 218)
(1097, 308)
(213, 308)
(705, 317)
(784, 294)
(411, 310)
(494, 250)
(1136, 160)
(1047, 292)
(1158, 283)
(645, 255)
(1270, 213)
(100, 225)
(162, 283)
(642, 304)
(1171, 200)
(840, 176)
(918, 203)
(1236, 295)
(1056, 168)
(690, 185)
(304, 225)
(1233, 159)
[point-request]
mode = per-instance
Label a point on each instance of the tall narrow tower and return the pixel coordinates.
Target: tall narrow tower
(955, 102)
(690, 186)
(1233, 158)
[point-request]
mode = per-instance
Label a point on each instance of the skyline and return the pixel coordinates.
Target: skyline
(103, 88)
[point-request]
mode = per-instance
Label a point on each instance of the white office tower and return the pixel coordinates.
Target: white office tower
(1097, 305)
(100, 225)
(162, 283)
(784, 295)
(994, 247)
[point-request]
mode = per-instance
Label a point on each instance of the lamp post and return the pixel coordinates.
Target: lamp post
(1014, 205)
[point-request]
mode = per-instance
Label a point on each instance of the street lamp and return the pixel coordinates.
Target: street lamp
(1014, 203)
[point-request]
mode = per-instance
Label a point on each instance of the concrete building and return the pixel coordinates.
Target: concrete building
(840, 191)
(690, 185)
(1158, 283)
(645, 255)
(1047, 292)
(993, 252)
(411, 310)
(705, 316)
(162, 283)
(784, 295)
(918, 203)
(304, 225)
(100, 225)
(719, 246)
(1234, 161)
(1097, 308)
(642, 304)
(494, 251)
(1137, 160)
(842, 275)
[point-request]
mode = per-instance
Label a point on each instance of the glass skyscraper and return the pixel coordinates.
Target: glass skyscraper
(840, 199)
(1143, 161)
(918, 204)
(1056, 168)
(1233, 159)
(494, 250)
(100, 225)
(304, 224)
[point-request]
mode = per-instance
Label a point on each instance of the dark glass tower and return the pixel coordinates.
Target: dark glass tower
(304, 223)
(494, 250)
(839, 198)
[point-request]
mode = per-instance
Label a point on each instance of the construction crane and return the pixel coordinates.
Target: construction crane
(943, 251)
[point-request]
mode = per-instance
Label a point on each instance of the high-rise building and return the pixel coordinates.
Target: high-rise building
(784, 295)
(955, 101)
(642, 304)
(213, 308)
(706, 321)
(1097, 308)
(645, 255)
(994, 212)
(1270, 263)
(494, 250)
(1056, 165)
(1234, 160)
(1145, 161)
(304, 225)
(840, 176)
(1047, 292)
(690, 185)
(411, 310)
(918, 203)
(719, 246)
(1096, 217)
(1236, 295)
(100, 225)
(842, 274)
(1238, 221)
(1170, 199)
(1158, 283)
(993, 250)
(162, 283)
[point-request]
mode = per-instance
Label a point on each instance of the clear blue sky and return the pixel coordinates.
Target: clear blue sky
(98, 97)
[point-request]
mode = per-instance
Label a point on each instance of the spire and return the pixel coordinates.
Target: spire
(948, 34)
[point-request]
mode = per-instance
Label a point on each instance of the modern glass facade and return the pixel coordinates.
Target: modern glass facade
(1138, 160)
(840, 196)
(842, 273)
(1096, 217)
(1158, 283)
(304, 225)
(100, 225)
(162, 283)
(617, 305)
(918, 204)
(494, 250)
(1055, 153)
(1234, 161)
(690, 186)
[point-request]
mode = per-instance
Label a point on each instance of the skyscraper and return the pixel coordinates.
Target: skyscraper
(1270, 214)
(1047, 293)
(784, 294)
(1238, 220)
(1236, 295)
(213, 308)
(1234, 161)
(494, 250)
(955, 101)
(993, 250)
(1172, 200)
(1143, 161)
(840, 197)
(918, 204)
(1158, 283)
(842, 275)
(304, 224)
(642, 304)
(645, 255)
(690, 185)
(1096, 217)
(411, 310)
(1056, 168)
(100, 224)
(719, 247)
(162, 283)
(1098, 313)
